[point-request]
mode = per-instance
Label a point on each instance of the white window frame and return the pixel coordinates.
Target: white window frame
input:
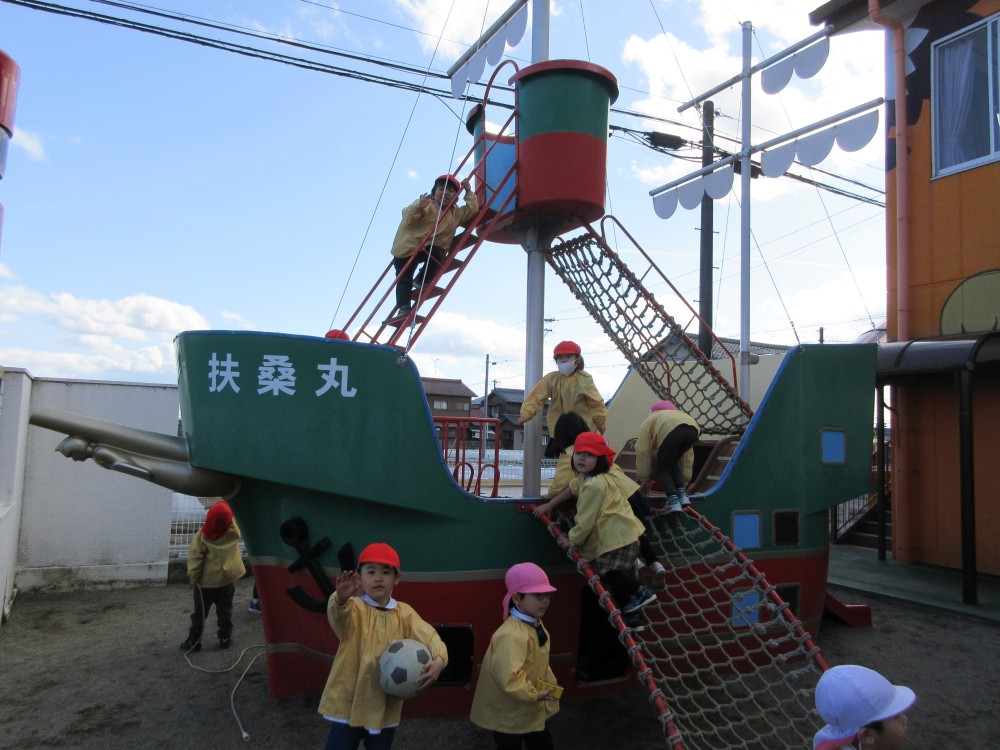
(991, 26)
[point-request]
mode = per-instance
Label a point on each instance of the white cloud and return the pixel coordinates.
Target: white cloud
(237, 321)
(157, 359)
(852, 75)
(131, 334)
(136, 317)
(5, 272)
(30, 143)
(447, 30)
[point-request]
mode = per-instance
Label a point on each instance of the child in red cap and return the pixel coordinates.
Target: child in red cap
(606, 530)
(366, 624)
(566, 389)
(510, 698)
(215, 563)
(429, 211)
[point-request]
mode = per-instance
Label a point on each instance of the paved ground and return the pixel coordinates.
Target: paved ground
(101, 669)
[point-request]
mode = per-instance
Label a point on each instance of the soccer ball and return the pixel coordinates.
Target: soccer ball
(400, 665)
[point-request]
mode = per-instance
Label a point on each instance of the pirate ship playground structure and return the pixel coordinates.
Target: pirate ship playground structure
(323, 445)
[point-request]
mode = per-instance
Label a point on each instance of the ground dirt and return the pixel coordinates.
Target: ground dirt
(102, 669)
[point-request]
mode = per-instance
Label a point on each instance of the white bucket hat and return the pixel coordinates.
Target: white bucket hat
(850, 697)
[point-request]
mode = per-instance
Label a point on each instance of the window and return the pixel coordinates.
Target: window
(965, 100)
(440, 404)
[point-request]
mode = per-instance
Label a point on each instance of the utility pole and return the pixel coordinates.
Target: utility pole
(707, 233)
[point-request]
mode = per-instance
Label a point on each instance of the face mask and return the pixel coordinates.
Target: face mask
(566, 368)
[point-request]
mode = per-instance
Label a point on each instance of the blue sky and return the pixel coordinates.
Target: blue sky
(155, 186)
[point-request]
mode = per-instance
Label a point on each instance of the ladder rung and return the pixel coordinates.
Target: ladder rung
(432, 291)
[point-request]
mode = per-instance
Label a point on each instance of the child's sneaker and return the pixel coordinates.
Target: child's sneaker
(633, 621)
(659, 577)
(674, 504)
(685, 500)
(254, 607)
(639, 600)
(225, 642)
(190, 645)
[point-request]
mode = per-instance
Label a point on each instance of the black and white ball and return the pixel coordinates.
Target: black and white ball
(400, 665)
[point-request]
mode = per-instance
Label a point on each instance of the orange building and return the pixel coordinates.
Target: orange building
(942, 362)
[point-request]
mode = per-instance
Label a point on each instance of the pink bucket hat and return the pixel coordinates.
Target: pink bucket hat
(664, 406)
(525, 578)
(850, 697)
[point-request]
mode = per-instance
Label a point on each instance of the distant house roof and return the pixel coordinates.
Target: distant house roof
(853, 14)
(721, 348)
(446, 387)
(510, 395)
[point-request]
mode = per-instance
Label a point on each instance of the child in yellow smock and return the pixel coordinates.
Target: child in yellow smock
(510, 700)
(366, 624)
(566, 389)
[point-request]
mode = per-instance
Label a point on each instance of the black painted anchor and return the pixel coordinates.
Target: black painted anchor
(295, 533)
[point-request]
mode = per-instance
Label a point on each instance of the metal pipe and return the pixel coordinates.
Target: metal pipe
(744, 384)
(902, 525)
(967, 485)
(707, 238)
(825, 31)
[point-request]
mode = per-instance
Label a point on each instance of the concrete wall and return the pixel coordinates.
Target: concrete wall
(15, 391)
(81, 525)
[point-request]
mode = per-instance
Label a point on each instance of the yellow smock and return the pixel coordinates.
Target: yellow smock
(506, 696)
(564, 393)
(652, 432)
(352, 691)
(215, 563)
(604, 519)
(419, 217)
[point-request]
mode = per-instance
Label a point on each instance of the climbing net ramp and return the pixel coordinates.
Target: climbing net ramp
(726, 662)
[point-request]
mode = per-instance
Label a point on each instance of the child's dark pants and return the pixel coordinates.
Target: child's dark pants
(204, 598)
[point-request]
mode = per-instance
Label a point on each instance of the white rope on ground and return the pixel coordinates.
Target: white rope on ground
(196, 646)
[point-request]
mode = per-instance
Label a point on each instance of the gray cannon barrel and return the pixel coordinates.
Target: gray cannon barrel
(157, 458)
(108, 433)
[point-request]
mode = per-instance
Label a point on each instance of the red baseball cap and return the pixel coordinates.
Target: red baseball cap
(449, 178)
(379, 552)
(566, 347)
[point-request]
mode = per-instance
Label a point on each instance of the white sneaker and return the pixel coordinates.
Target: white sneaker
(658, 579)
(685, 500)
(674, 505)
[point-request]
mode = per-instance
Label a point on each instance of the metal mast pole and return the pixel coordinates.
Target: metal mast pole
(535, 242)
(707, 232)
(744, 383)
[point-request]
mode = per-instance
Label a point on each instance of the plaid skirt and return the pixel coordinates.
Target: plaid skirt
(622, 558)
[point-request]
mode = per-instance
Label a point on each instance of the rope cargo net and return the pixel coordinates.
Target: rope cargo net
(656, 346)
(725, 661)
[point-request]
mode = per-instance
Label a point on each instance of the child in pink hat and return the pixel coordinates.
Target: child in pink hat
(862, 710)
(514, 695)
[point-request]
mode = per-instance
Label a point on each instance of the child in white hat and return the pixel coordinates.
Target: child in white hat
(862, 710)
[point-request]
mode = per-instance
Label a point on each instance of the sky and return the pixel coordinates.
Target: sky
(155, 186)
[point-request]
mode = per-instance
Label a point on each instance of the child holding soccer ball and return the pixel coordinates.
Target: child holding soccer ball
(366, 624)
(515, 694)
